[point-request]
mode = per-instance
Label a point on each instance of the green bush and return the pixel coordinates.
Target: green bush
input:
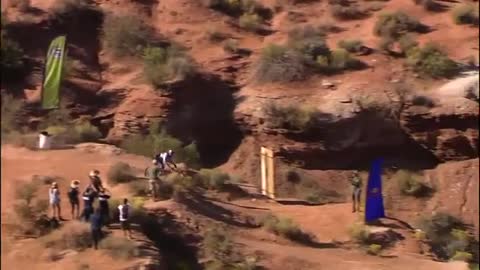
(462, 256)
(309, 41)
(352, 12)
(279, 64)
(290, 117)
(238, 7)
(359, 233)
(230, 45)
(385, 44)
(406, 43)
(125, 35)
(215, 36)
(87, 132)
(11, 108)
(120, 247)
(394, 25)
(351, 45)
(11, 56)
(374, 249)
(465, 14)
(120, 172)
(212, 179)
(341, 59)
(161, 65)
(250, 21)
(287, 228)
(431, 61)
(409, 184)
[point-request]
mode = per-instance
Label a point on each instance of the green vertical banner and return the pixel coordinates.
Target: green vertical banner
(53, 73)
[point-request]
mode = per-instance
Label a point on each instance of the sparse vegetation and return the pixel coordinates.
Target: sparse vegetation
(250, 21)
(230, 45)
(215, 36)
(340, 59)
(291, 117)
(431, 61)
(406, 43)
(287, 228)
(351, 45)
(394, 25)
(447, 237)
(279, 64)
(425, 101)
(466, 14)
(359, 233)
(64, 8)
(429, 5)
(409, 183)
(161, 65)
(374, 249)
(120, 172)
(212, 179)
(120, 247)
(73, 235)
(10, 109)
(11, 55)
(125, 35)
(348, 12)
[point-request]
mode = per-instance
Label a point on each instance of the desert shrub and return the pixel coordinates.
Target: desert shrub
(465, 14)
(250, 21)
(359, 233)
(309, 41)
(87, 132)
(139, 145)
(191, 156)
(287, 228)
(22, 5)
(162, 64)
(230, 45)
(125, 35)
(409, 183)
(406, 43)
(239, 7)
(120, 172)
(431, 61)
(374, 249)
(120, 247)
(430, 5)
(351, 45)
(462, 256)
(212, 179)
(73, 235)
(341, 59)
(291, 117)
(138, 188)
(385, 44)
(425, 101)
(394, 25)
(279, 64)
(215, 36)
(347, 12)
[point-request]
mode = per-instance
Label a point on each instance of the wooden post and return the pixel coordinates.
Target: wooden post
(268, 172)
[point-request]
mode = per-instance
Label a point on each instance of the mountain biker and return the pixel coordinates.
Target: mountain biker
(152, 173)
(165, 159)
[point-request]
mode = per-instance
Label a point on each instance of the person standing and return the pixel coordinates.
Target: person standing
(95, 181)
(103, 198)
(54, 197)
(96, 227)
(356, 183)
(88, 197)
(124, 217)
(152, 173)
(73, 197)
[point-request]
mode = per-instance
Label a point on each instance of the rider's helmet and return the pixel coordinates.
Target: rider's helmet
(94, 173)
(170, 152)
(154, 161)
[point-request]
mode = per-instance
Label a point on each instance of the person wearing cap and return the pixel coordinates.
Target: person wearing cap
(103, 197)
(152, 173)
(95, 180)
(54, 198)
(356, 183)
(73, 195)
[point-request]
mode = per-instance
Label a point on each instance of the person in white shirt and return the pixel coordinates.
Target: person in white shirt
(54, 198)
(124, 217)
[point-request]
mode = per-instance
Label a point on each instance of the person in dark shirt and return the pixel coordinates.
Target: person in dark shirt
(96, 227)
(88, 197)
(73, 195)
(95, 181)
(103, 197)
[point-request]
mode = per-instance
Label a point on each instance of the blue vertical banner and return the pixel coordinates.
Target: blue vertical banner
(374, 200)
